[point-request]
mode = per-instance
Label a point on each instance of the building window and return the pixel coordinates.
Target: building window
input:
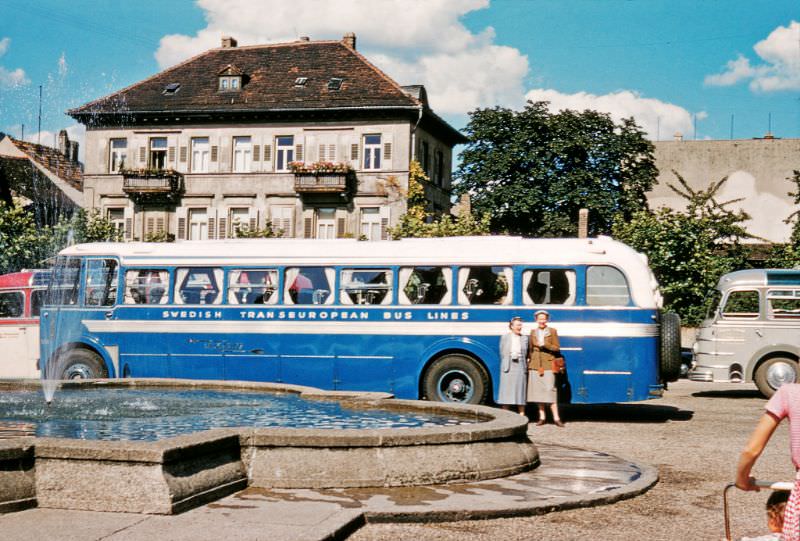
(118, 156)
(426, 158)
(198, 224)
(117, 218)
(239, 220)
(326, 223)
(242, 154)
(371, 223)
(230, 83)
(283, 221)
(200, 154)
(158, 153)
(438, 168)
(372, 152)
(284, 152)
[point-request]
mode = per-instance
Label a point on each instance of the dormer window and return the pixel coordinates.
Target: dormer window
(230, 79)
(301, 81)
(171, 89)
(335, 83)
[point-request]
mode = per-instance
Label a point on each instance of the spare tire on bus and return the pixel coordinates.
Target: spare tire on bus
(456, 378)
(670, 346)
(81, 364)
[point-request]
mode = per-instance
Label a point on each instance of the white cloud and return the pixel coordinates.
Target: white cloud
(10, 78)
(659, 119)
(413, 42)
(779, 68)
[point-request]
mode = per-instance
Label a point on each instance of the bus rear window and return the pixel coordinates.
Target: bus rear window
(198, 285)
(741, 305)
(253, 286)
(309, 285)
(484, 285)
(146, 286)
(606, 286)
(366, 286)
(12, 304)
(548, 286)
(425, 285)
(784, 304)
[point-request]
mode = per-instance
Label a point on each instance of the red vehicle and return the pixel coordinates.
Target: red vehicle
(21, 297)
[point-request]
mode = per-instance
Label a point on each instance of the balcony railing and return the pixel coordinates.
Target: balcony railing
(322, 182)
(158, 185)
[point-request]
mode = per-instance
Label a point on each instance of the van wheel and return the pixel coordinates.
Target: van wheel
(456, 378)
(773, 373)
(82, 364)
(670, 350)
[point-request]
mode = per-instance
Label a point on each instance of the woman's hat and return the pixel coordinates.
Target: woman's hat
(545, 312)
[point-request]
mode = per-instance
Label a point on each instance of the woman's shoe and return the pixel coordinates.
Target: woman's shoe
(558, 423)
(540, 422)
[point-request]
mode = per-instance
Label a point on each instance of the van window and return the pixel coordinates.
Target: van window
(146, 286)
(548, 286)
(365, 286)
(484, 285)
(12, 304)
(784, 304)
(198, 285)
(425, 285)
(741, 305)
(253, 286)
(309, 285)
(101, 282)
(606, 286)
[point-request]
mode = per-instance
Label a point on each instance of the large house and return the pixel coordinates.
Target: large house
(308, 137)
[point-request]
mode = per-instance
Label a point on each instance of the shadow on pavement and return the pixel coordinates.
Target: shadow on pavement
(729, 393)
(623, 413)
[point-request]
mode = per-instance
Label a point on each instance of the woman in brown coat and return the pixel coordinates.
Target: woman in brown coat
(544, 351)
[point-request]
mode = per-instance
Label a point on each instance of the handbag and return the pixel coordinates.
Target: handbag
(559, 365)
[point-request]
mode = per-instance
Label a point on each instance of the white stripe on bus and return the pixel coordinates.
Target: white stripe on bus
(433, 328)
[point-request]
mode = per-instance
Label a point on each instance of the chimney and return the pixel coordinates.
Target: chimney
(228, 42)
(769, 135)
(305, 38)
(583, 223)
(63, 143)
(73, 151)
(678, 136)
(349, 40)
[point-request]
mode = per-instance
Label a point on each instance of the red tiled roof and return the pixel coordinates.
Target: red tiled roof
(52, 160)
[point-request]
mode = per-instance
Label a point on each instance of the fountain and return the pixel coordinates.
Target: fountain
(144, 446)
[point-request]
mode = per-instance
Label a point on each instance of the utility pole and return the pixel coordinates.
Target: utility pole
(39, 135)
(22, 137)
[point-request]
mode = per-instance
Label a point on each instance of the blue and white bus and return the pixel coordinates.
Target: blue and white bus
(419, 318)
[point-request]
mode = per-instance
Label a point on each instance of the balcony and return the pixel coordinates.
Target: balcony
(322, 182)
(152, 185)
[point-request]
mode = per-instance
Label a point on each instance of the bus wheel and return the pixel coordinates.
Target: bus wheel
(456, 378)
(670, 351)
(773, 373)
(82, 364)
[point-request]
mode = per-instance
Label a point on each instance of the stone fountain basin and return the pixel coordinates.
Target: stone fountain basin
(171, 475)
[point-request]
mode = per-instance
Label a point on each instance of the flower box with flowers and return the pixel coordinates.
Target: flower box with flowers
(321, 176)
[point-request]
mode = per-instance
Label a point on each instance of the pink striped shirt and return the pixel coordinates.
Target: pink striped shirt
(786, 403)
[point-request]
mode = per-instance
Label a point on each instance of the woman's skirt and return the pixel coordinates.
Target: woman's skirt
(511, 390)
(542, 389)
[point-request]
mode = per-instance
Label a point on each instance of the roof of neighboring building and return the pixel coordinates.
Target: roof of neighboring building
(298, 76)
(49, 158)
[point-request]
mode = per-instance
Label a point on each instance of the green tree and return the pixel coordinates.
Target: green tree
(532, 170)
(689, 250)
(787, 255)
(417, 222)
(22, 243)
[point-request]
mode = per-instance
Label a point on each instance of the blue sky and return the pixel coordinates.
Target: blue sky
(679, 65)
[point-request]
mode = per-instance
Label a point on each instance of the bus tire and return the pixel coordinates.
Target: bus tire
(670, 348)
(456, 378)
(773, 373)
(81, 364)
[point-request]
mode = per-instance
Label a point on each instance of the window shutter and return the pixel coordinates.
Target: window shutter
(253, 224)
(142, 155)
(298, 153)
(340, 228)
(308, 228)
(171, 154)
(184, 154)
(354, 152)
(212, 224)
(160, 225)
(105, 156)
(256, 153)
(222, 230)
(151, 226)
(128, 228)
(384, 222)
(387, 151)
(332, 153)
(214, 153)
(322, 148)
(267, 153)
(181, 227)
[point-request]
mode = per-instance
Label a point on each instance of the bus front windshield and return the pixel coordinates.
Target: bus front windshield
(64, 281)
(712, 302)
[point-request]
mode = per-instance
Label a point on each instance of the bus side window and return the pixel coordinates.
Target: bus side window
(784, 304)
(12, 304)
(484, 285)
(606, 286)
(309, 285)
(101, 282)
(548, 286)
(366, 286)
(425, 285)
(198, 285)
(253, 286)
(37, 300)
(146, 286)
(741, 305)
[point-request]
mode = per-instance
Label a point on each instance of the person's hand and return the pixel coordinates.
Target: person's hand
(747, 485)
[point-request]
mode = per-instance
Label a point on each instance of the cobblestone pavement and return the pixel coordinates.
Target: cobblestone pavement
(693, 436)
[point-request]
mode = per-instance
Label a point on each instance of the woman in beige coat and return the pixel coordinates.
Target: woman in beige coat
(544, 352)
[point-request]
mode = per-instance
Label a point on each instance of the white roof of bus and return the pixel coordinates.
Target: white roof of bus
(494, 250)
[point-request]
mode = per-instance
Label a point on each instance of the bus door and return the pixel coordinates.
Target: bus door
(60, 321)
(100, 288)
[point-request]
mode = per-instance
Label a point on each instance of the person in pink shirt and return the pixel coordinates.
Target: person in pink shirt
(784, 403)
